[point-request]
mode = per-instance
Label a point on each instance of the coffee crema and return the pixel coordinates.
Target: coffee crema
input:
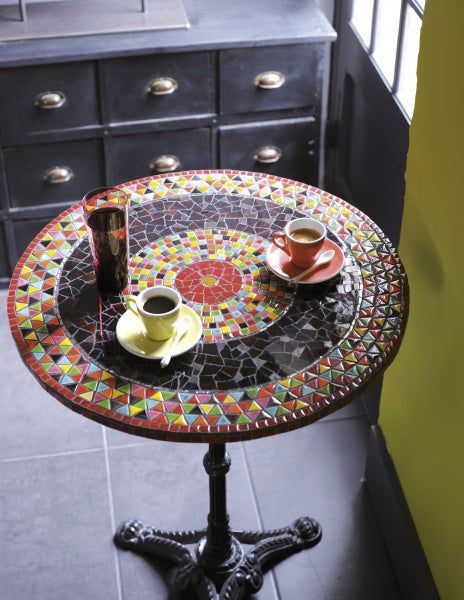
(305, 234)
(159, 305)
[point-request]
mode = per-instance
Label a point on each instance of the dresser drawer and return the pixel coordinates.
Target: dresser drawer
(4, 268)
(25, 230)
(136, 156)
(270, 78)
(281, 149)
(53, 173)
(154, 87)
(47, 98)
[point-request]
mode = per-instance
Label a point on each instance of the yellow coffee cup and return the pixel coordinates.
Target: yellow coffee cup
(158, 309)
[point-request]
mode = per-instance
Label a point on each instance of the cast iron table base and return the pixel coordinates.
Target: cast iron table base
(219, 560)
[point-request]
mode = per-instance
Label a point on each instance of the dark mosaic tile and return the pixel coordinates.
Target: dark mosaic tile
(317, 471)
(166, 486)
(55, 529)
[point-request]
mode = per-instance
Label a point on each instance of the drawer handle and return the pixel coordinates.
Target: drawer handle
(162, 86)
(268, 154)
(269, 80)
(165, 163)
(58, 175)
(49, 100)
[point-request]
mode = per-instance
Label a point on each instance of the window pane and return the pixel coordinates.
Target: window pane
(408, 62)
(421, 3)
(361, 19)
(386, 37)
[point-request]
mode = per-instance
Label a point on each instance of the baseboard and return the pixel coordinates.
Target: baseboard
(371, 400)
(403, 545)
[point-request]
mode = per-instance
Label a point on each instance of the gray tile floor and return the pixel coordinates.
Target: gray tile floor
(65, 482)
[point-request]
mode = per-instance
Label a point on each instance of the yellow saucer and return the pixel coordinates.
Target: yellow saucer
(131, 336)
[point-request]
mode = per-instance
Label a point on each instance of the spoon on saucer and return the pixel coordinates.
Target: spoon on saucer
(181, 329)
(323, 259)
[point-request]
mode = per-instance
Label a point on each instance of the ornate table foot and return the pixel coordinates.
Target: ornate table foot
(269, 548)
(307, 529)
(245, 578)
(134, 535)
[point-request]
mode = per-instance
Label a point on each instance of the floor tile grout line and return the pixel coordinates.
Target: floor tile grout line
(50, 455)
(324, 597)
(261, 524)
(134, 445)
(254, 497)
(71, 452)
(112, 512)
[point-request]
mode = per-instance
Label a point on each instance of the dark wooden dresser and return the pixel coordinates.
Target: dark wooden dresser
(244, 88)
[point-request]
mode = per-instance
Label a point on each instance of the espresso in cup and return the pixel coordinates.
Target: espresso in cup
(305, 234)
(158, 310)
(302, 239)
(158, 305)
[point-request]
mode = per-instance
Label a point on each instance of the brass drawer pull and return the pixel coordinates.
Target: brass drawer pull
(165, 163)
(162, 86)
(269, 80)
(267, 154)
(58, 174)
(49, 100)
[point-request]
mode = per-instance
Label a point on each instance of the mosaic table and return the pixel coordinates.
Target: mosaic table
(274, 356)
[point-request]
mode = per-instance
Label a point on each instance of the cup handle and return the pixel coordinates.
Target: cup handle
(131, 303)
(280, 240)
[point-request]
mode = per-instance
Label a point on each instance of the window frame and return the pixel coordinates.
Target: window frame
(399, 45)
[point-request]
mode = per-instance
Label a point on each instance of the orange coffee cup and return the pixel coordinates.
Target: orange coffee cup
(302, 253)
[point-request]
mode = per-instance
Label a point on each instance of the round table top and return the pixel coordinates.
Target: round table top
(274, 355)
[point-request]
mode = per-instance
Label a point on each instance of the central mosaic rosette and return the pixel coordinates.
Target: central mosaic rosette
(209, 282)
(221, 274)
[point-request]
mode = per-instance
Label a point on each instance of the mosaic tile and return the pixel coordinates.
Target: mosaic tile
(221, 274)
(273, 356)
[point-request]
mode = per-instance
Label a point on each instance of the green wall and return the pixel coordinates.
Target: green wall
(422, 406)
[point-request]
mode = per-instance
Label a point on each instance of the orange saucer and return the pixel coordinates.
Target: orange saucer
(279, 263)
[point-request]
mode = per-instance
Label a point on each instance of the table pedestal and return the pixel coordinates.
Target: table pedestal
(219, 560)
